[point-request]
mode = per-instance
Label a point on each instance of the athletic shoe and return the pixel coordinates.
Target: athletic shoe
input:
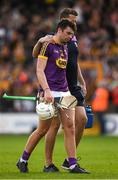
(66, 166)
(78, 169)
(50, 168)
(22, 166)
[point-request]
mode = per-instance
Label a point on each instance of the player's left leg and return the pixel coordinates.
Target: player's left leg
(80, 122)
(67, 118)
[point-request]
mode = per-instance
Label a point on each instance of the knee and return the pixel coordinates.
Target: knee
(55, 126)
(84, 119)
(81, 119)
(42, 132)
(70, 128)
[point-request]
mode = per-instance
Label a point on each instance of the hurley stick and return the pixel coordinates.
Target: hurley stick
(30, 98)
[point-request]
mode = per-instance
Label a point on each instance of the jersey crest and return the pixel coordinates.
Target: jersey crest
(61, 63)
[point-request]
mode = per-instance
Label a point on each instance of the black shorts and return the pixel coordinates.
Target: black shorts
(77, 92)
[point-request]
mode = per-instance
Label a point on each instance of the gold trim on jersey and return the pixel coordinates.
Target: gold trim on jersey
(42, 57)
(43, 49)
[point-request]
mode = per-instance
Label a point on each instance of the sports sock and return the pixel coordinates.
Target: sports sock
(25, 156)
(22, 160)
(72, 162)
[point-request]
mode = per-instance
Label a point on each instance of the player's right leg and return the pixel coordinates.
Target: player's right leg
(33, 140)
(49, 145)
(80, 122)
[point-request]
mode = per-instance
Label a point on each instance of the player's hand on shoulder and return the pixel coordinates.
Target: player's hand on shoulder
(38, 45)
(45, 38)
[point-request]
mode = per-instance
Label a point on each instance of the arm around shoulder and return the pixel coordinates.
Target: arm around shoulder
(39, 43)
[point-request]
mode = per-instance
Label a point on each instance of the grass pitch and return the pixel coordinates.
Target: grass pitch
(98, 154)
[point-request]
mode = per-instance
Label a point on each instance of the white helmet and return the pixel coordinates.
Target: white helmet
(45, 110)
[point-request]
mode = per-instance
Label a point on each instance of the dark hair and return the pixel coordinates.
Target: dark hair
(66, 12)
(63, 24)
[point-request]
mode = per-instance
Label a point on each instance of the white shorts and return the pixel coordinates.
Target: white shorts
(60, 93)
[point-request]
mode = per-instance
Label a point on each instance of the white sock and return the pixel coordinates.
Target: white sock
(22, 160)
(72, 166)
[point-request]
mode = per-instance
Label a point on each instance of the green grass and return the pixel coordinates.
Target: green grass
(98, 154)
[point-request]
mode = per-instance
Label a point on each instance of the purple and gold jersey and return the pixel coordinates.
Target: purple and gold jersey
(55, 71)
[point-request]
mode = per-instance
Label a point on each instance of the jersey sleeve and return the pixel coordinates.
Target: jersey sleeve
(44, 51)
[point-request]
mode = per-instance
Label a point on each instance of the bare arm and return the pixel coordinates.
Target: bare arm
(38, 45)
(36, 49)
(41, 64)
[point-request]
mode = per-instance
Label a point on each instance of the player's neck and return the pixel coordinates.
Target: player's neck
(57, 40)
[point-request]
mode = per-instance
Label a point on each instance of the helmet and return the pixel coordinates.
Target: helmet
(45, 110)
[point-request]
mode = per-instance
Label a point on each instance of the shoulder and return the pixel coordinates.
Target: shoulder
(47, 48)
(73, 42)
(50, 43)
(74, 39)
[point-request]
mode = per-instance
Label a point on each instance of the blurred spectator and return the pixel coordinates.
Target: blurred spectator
(22, 23)
(114, 84)
(100, 103)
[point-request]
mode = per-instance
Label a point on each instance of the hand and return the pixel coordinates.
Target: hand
(84, 90)
(38, 45)
(48, 96)
(45, 38)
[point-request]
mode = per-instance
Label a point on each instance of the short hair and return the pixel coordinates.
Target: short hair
(63, 24)
(66, 12)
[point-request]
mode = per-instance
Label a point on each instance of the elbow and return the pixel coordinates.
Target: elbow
(39, 72)
(34, 53)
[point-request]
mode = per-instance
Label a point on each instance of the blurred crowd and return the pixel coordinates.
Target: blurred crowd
(22, 23)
